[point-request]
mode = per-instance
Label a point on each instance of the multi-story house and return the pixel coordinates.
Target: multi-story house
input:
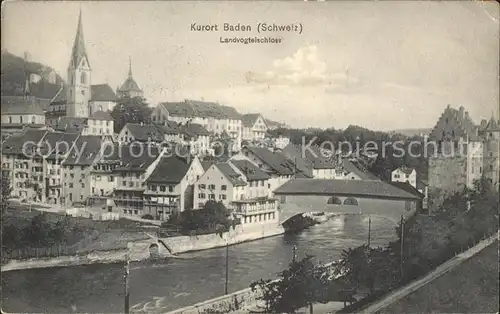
(22, 163)
(312, 161)
(20, 112)
(170, 186)
(137, 162)
(77, 168)
(196, 137)
(213, 116)
(275, 164)
(102, 176)
(56, 146)
(404, 174)
(99, 123)
(221, 182)
(254, 127)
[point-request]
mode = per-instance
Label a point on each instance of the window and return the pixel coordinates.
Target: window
(211, 196)
(21, 119)
(202, 186)
(282, 199)
(71, 185)
(261, 183)
(222, 196)
(10, 119)
(83, 185)
(211, 186)
(153, 187)
(83, 78)
(334, 200)
(110, 179)
(170, 188)
(223, 187)
(163, 188)
(201, 195)
(33, 120)
(351, 201)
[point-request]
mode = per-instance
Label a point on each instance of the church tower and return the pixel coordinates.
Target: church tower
(79, 77)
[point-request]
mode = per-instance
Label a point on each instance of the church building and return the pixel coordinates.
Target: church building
(79, 99)
(129, 88)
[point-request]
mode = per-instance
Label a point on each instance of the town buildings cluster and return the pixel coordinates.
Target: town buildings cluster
(62, 150)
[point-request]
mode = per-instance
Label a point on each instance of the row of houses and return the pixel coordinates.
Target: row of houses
(64, 168)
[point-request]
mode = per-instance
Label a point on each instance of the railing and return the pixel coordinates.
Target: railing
(79, 248)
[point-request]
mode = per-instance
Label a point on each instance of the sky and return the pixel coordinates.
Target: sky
(383, 65)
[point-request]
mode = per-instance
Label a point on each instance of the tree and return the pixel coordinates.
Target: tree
(6, 191)
(300, 285)
(130, 110)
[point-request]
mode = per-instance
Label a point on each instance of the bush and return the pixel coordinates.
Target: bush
(147, 216)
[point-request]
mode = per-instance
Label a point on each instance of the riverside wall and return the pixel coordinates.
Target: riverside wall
(240, 234)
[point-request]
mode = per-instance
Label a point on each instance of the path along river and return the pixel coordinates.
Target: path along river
(157, 287)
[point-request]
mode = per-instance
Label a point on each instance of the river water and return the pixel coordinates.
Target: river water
(157, 287)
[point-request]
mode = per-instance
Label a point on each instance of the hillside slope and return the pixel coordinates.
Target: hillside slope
(14, 77)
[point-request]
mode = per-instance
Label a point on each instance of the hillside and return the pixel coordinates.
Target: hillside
(413, 132)
(14, 77)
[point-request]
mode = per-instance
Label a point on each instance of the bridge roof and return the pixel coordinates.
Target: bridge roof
(366, 188)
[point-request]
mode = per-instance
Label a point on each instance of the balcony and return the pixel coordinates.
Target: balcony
(255, 205)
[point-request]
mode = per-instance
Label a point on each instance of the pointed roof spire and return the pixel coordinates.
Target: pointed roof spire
(27, 75)
(79, 52)
(129, 66)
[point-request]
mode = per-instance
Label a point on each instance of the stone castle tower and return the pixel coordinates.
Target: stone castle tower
(79, 77)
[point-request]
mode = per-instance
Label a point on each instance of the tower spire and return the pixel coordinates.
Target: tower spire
(79, 52)
(129, 66)
(27, 75)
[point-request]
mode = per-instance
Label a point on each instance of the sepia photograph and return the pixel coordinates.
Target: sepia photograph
(210, 157)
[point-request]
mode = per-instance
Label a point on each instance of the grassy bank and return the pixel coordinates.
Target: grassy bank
(472, 287)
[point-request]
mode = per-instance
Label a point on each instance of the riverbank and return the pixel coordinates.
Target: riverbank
(167, 247)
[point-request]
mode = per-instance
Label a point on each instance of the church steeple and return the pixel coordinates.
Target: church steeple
(79, 77)
(79, 52)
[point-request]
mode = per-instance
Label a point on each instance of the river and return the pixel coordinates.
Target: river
(157, 287)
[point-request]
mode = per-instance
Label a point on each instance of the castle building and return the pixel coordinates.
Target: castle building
(464, 152)
(129, 88)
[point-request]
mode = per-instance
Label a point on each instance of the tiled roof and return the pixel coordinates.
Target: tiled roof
(194, 129)
(250, 119)
(22, 105)
(44, 90)
(405, 170)
(170, 169)
(276, 161)
(311, 159)
(230, 174)
(71, 125)
(102, 92)
(146, 131)
(408, 188)
(101, 115)
(367, 188)
(129, 86)
(86, 150)
(206, 165)
(136, 157)
(64, 145)
(50, 142)
(202, 109)
(250, 170)
(23, 143)
(349, 167)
